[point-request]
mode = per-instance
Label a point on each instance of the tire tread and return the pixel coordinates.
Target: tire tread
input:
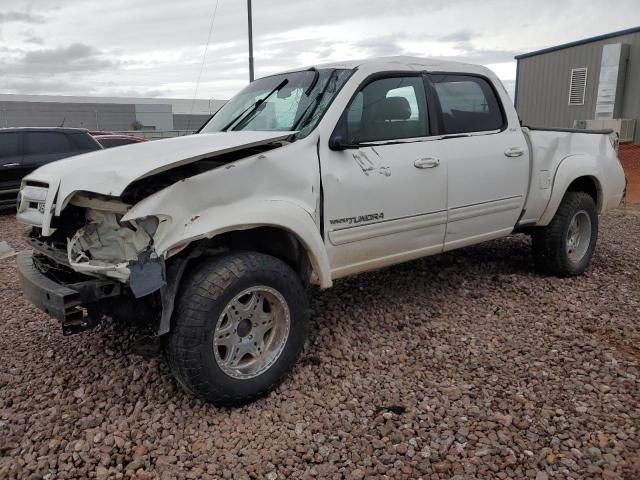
(205, 284)
(549, 242)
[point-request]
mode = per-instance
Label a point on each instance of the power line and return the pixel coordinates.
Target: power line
(204, 57)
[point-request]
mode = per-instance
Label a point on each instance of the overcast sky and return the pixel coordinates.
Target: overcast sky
(155, 48)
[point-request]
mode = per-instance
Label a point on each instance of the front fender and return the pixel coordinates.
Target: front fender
(181, 228)
(569, 169)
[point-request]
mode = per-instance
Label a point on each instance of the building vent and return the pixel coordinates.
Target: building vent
(577, 86)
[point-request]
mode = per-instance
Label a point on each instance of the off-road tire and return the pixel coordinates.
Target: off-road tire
(549, 244)
(205, 293)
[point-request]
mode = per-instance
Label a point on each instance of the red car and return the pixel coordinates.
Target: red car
(110, 140)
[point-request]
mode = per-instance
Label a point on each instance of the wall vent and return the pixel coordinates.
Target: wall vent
(577, 86)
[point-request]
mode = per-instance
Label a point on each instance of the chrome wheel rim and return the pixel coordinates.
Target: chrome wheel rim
(251, 332)
(578, 236)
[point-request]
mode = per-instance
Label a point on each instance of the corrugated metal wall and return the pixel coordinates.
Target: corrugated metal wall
(543, 84)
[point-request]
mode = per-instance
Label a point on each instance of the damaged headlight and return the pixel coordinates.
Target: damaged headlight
(107, 246)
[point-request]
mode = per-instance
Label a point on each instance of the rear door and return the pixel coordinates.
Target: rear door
(488, 160)
(12, 168)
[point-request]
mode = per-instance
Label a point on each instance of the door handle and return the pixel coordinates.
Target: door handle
(9, 165)
(513, 152)
(428, 162)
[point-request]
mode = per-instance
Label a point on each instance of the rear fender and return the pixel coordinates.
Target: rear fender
(569, 169)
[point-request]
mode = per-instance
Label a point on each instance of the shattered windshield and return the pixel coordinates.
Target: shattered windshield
(280, 103)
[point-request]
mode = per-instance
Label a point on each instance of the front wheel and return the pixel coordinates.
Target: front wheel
(565, 246)
(240, 326)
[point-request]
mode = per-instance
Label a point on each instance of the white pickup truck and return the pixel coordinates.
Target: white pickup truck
(302, 178)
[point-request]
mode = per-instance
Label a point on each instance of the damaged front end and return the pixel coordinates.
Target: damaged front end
(120, 250)
(93, 256)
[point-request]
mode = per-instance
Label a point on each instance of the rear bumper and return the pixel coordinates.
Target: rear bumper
(67, 303)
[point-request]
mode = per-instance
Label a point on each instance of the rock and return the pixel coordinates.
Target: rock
(101, 473)
(469, 353)
(357, 474)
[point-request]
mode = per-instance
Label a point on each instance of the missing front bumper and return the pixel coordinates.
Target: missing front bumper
(68, 303)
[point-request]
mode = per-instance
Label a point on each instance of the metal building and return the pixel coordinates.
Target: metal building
(591, 83)
(105, 113)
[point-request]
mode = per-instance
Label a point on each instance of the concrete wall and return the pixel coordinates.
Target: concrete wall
(175, 114)
(158, 116)
(189, 122)
(50, 114)
(543, 84)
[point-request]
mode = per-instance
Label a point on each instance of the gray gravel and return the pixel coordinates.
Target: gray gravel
(465, 365)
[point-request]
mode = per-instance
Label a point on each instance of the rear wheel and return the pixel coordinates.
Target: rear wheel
(565, 246)
(240, 325)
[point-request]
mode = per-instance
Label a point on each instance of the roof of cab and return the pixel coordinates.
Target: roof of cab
(401, 63)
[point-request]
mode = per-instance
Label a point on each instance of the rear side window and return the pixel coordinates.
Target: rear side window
(42, 143)
(469, 104)
(388, 109)
(81, 141)
(9, 145)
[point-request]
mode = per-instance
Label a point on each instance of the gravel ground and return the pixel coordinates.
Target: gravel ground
(465, 365)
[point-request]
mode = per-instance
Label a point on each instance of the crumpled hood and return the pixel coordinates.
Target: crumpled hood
(110, 171)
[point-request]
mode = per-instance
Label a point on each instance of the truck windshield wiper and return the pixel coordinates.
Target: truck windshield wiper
(247, 113)
(314, 103)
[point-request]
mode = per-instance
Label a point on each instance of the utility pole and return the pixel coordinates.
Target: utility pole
(250, 41)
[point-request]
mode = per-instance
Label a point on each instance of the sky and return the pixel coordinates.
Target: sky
(156, 49)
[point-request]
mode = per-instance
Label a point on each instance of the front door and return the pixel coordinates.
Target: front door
(384, 201)
(488, 162)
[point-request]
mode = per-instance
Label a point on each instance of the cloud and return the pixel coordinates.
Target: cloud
(29, 37)
(23, 17)
(98, 47)
(77, 57)
(459, 36)
(36, 85)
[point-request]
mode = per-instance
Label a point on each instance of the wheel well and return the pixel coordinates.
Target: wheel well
(273, 241)
(588, 185)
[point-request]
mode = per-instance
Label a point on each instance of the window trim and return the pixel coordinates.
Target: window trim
(505, 120)
(431, 114)
(584, 86)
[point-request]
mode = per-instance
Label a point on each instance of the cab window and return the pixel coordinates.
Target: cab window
(469, 104)
(388, 109)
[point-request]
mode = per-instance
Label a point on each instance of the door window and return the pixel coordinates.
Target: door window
(388, 109)
(469, 104)
(43, 143)
(9, 145)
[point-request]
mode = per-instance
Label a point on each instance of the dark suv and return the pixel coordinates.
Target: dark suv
(22, 150)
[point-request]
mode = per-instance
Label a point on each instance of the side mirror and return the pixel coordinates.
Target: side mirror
(337, 140)
(337, 143)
